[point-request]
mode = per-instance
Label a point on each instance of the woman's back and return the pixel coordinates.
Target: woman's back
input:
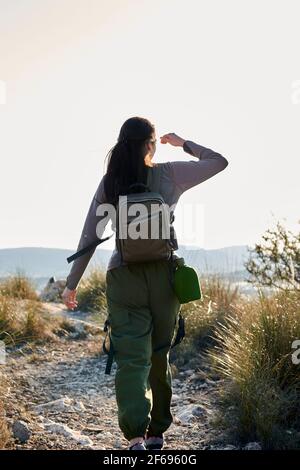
(176, 178)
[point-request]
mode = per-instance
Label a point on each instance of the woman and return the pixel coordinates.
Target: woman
(142, 306)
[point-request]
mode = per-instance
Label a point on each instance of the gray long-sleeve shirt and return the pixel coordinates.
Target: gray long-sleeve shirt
(176, 178)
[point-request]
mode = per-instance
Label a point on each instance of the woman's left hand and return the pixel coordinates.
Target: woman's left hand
(69, 298)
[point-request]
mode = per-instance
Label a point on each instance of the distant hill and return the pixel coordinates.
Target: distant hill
(221, 260)
(40, 262)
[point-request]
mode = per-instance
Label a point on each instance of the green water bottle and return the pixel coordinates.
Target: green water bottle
(186, 283)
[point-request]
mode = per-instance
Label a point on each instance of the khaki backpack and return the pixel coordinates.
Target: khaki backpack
(144, 230)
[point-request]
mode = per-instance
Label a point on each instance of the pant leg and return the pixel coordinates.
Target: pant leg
(165, 308)
(131, 329)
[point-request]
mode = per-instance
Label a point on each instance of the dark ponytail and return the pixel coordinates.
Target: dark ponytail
(126, 160)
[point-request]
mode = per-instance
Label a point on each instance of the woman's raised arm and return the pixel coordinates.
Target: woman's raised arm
(188, 174)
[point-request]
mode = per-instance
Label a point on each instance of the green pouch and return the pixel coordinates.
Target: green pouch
(186, 283)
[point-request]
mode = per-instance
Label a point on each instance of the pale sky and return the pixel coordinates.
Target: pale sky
(225, 74)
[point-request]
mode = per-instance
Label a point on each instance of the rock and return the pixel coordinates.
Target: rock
(62, 404)
(80, 331)
(93, 428)
(198, 411)
(210, 382)
(203, 386)
(252, 446)
(175, 397)
(118, 444)
(53, 290)
(65, 404)
(229, 447)
(189, 371)
(79, 406)
(64, 430)
(21, 431)
(190, 413)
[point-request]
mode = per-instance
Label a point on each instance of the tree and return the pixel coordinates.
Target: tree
(275, 262)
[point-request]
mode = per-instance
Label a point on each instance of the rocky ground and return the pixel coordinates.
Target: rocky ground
(58, 397)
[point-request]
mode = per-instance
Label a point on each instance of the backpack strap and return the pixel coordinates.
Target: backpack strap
(88, 248)
(180, 331)
(110, 351)
(154, 177)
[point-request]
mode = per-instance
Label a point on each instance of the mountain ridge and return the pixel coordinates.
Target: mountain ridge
(51, 261)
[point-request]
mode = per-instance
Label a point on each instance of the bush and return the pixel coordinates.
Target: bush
(254, 353)
(19, 287)
(91, 293)
(24, 320)
(201, 319)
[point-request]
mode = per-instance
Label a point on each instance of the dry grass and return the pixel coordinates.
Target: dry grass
(254, 354)
(91, 293)
(249, 344)
(201, 319)
(4, 431)
(19, 287)
(24, 320)
(22, 315)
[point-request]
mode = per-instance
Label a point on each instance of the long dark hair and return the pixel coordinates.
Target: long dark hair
(126, 160)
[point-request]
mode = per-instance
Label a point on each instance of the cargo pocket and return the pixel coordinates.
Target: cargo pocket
(119, 319)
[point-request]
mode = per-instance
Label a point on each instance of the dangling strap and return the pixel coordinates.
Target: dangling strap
(88, 248)
(110, 351)
(179, 335)
(180, 332)
(110, 359)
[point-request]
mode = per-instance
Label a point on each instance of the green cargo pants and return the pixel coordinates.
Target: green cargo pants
(143, 312)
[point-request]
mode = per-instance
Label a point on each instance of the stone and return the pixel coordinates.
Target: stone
(64, 430)
(176, 397)
(53, 290)
(199, 411)
(80, 331)
(118, 444)
(21, 431)
(62, 404)
(190, 413)
(79, 406)
(252, 446)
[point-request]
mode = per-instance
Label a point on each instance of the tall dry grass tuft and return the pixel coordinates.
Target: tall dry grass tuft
(4, 432)
(91, 293)
(202, 317)
(24, 320)
(22, 315)
(254, 353)
(19, 287)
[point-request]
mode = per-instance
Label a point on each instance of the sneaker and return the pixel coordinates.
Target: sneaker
(137, 446)
(154, 442)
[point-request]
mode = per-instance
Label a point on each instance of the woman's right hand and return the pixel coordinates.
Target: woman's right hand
(69, 298)
(172, 139)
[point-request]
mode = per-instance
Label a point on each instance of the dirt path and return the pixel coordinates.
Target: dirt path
(65, 401)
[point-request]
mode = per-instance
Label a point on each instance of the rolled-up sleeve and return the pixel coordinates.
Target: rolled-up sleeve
(90, 233)
(188, 174)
